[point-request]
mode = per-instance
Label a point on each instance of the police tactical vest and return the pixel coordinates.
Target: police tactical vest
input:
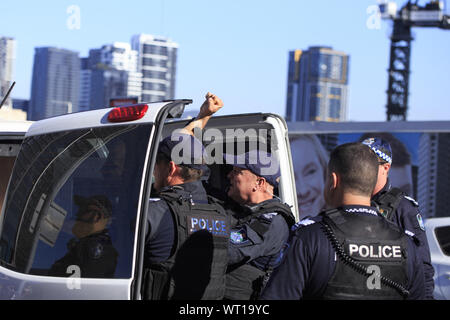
(388, 202)
(245, 282)
(371, 257)
(197, 265)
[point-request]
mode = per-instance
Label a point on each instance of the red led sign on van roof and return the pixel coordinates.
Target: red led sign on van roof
(128, 113)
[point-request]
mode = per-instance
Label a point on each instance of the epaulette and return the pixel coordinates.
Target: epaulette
(302, 223)
(269, 216)
(412, 200)
(413, 236)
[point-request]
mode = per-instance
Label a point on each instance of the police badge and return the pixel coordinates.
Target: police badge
(420, 220)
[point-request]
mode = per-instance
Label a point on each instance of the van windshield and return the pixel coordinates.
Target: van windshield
(72, 203)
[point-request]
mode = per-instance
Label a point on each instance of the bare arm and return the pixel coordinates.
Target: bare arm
(211, 105)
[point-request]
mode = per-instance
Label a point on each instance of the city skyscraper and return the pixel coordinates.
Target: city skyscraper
(317, 85)
(157, 63)
(434, 174)
(109, 72)
(85, 84)
(7, 58)
(55, 83)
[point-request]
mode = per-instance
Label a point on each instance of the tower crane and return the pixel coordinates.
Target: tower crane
(410, 15)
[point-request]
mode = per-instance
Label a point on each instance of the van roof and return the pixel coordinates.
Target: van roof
(9, 127)
(90, 119)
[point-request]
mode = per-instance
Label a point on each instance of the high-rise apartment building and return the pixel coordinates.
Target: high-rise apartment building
(434, 174)
(109, 72)
(157, 63)
(55, 83)
(317, 85)
(7, 58)
(85, 85)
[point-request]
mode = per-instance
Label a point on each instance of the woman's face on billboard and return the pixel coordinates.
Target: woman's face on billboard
(309, 177)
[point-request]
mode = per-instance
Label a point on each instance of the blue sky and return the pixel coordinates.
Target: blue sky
(239, 49)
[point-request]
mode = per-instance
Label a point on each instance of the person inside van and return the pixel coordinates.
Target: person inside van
(91, 249)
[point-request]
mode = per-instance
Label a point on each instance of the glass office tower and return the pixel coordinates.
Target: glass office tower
(317, 85)
(55, 83)
(157, 60)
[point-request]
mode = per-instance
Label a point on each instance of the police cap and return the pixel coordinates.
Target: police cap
(261, 163)
(99, 203)
(381, 148)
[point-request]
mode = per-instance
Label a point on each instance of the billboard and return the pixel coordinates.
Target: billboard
(420, 167)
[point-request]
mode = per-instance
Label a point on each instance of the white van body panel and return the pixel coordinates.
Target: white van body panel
(11, 127)
(19, 286)
(88, 119)
(440, 261)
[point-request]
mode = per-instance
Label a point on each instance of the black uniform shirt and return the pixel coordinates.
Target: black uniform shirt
(408, 218)
(310, 261)
(262, 251)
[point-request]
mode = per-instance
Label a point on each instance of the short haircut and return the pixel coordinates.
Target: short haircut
(186, 173)
(357, 167)
(190, 174)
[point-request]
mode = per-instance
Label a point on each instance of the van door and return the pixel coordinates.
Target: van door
(438, 236)
(73, 206)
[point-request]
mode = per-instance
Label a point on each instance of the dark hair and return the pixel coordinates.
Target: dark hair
(400, 155)
(357, 167)
(186, 173)
(190, 174)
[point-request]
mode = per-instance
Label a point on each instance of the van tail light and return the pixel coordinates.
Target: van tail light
(129, 113)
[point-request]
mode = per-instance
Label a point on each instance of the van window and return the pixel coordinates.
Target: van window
(443, 237)
(72, 203)
(8, 153)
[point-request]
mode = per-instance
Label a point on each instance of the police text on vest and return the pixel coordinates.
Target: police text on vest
(216, 227)
(375, 251)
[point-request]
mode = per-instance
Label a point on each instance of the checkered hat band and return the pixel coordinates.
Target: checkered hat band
(381, 155)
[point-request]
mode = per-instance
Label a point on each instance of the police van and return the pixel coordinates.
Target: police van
(438, 235)
(108, 155)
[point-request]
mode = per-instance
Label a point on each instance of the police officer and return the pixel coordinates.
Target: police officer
(91, 249)
(187, 233)
(261, 224)
(349, 252)
(398, 207)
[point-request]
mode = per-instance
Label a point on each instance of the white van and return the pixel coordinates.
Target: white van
(109, 152)
(438, 235)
